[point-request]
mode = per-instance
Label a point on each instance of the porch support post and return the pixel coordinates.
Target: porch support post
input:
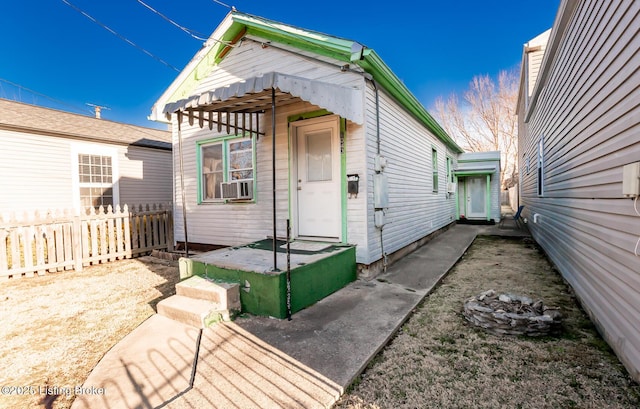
(457, 197)
(273, 171)
(184, 200)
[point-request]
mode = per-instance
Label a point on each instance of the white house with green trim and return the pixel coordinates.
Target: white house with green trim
(478, 186)
(273, 122)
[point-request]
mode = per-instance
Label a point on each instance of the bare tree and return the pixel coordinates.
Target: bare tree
(486, 119)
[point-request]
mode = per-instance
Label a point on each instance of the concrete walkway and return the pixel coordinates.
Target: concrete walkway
(264, 363)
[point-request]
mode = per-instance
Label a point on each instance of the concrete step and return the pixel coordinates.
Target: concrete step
(191, 311)
(227, 295)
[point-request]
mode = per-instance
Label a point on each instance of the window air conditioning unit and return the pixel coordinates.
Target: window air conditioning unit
(451, 187)
(237, 190)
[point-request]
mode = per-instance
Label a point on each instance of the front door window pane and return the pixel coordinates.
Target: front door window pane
(319, 156)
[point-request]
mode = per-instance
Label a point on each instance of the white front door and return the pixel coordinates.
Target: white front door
(318, 179)
(476, 197)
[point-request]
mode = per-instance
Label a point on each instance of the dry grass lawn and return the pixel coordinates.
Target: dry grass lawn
(438, 360)
(57, 327)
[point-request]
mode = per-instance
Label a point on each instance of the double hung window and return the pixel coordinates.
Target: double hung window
(224, 160)
(95, 177)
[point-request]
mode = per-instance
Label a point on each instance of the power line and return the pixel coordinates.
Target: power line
(186, 30)
(120, 36)
(44, 95)
(224, 5)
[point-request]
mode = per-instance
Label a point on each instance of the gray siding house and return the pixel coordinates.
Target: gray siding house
(579, 126)
(52, 159)
(273, 122)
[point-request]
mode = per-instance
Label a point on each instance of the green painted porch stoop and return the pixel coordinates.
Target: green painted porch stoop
(267, 293)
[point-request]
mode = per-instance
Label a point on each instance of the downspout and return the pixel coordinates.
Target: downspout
(273, 171)
(375, 87)
(184, 200)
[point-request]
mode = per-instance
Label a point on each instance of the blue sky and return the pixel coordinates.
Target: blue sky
(434, 47)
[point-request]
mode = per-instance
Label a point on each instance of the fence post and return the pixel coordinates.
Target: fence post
(170, 228)
(4, 262)
(77, 241)
(127, 231)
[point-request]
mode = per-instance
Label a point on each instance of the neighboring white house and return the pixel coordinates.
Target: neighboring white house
(579, 130)
(52, 159)
(357, 158)
(477, 179)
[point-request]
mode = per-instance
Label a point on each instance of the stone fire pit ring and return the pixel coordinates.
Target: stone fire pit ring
(508, 314)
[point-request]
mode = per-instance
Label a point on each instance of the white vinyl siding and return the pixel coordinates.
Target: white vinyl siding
(414, 211)
(35, 172)
(40, 172)
(241, 63)
(588, 112)
(246, 222)
(145, 175)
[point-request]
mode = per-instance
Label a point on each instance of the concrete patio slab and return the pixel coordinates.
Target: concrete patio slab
(259, 362)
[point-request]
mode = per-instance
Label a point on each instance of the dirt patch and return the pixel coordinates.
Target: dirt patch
(57, 327)
(439, 360)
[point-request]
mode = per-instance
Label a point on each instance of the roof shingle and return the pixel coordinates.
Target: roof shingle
(18, 116)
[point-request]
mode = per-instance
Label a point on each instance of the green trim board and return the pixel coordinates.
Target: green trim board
(472, 172)
(343, 177)
(308, 115)
(458, 197)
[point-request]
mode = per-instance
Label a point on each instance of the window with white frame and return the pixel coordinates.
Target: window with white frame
(224, 160)
(95, 180)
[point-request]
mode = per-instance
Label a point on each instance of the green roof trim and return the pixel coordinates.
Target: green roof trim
(322, 44)
(373, 64)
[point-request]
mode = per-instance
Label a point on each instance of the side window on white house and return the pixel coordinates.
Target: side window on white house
(95, 177)
(541, 166)
(434, 161)
(224, 161)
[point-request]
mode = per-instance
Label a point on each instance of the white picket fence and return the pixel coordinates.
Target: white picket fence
(64, 240)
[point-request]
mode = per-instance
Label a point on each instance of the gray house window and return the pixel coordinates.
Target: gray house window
(95, 176)
(541, 166)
